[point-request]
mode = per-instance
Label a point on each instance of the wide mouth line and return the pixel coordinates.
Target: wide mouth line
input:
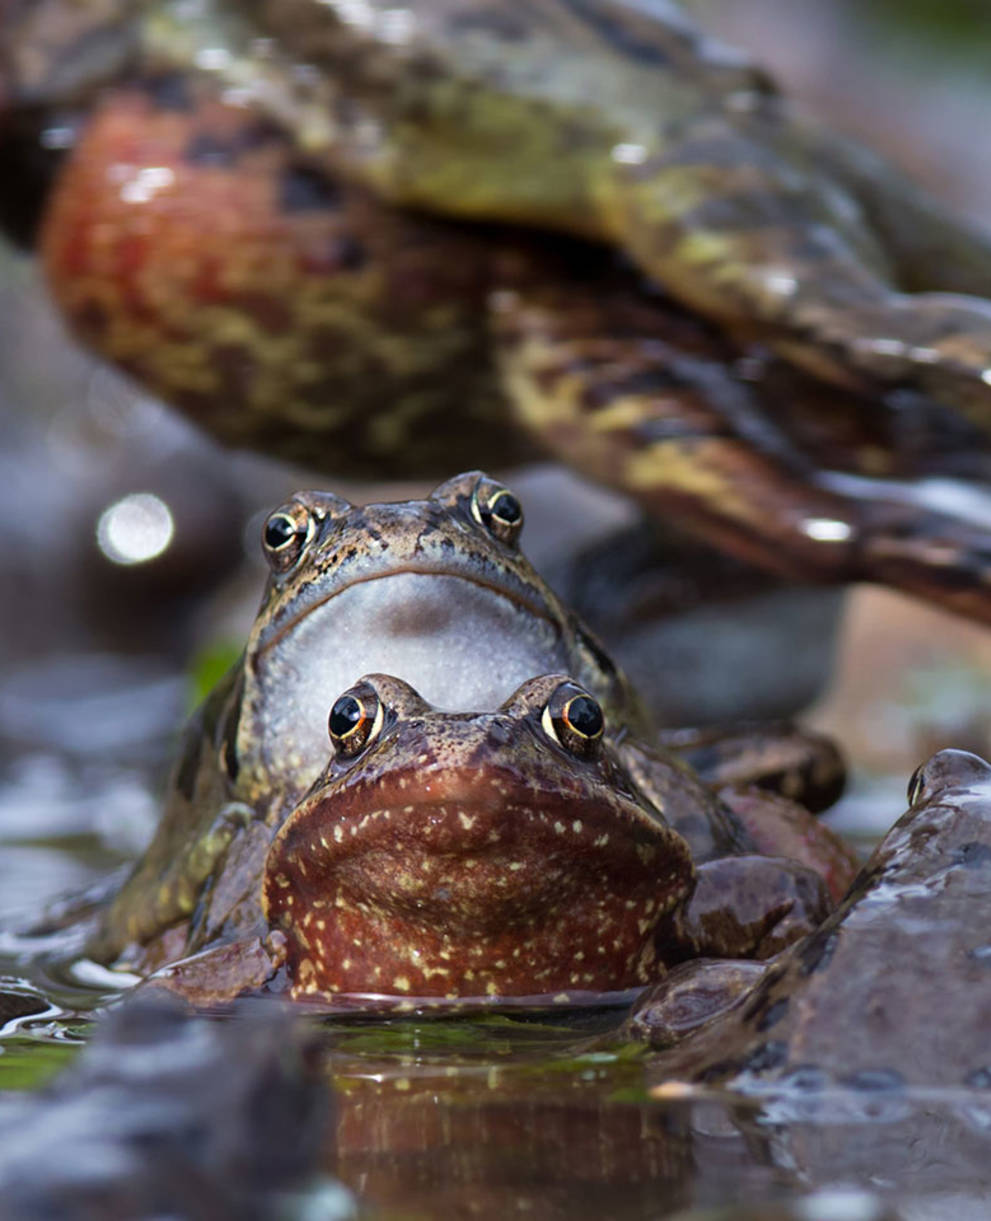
(350, 829)
(375, 1003)
(527, 604)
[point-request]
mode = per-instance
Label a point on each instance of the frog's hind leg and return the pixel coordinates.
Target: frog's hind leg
(779, 757)
(604, 388)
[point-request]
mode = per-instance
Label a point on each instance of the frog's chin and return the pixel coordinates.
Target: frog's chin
(462, 645)
(463, 893)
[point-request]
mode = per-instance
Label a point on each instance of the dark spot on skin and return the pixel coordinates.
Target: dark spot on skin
(818, 951)
(974, 855)
(875, 1080)
(169, 91)
(979, 1079)
(303, 189)
(206, 149)
(189, 767)
(773, 1015)
(231, 763)
(767, 1056)
(349, 254)
(715, 1072)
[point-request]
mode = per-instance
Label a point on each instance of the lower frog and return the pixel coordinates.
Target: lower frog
(892, 991)
(436, 590)
(467, 857)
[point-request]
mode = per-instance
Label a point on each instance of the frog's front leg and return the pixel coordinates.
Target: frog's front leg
(745, 907)
(603, 389)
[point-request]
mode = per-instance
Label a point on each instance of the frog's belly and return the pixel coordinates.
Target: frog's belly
(464, 647)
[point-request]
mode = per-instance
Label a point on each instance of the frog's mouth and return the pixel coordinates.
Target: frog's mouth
(463, 644)
(468, 888)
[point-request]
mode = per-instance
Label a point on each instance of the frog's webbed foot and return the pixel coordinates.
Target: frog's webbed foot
(605, 391)
(747, 907)
(689, 996)
(223, 972)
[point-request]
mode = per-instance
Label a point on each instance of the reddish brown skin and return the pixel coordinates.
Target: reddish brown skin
(486, 878)
(466, 856)
(256, 293)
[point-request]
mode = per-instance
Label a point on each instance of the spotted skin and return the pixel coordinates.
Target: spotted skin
(466, 855)
(314, 305)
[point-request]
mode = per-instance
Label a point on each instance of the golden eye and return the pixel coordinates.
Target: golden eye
(285, 535)
(574, 720)
(355, 720)
(498, 509)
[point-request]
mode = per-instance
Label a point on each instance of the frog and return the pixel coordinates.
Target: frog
(504, 854)
(439, 590)
(891, 992)
(472, 858)
(585, 230)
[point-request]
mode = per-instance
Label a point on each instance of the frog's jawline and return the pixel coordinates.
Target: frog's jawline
(474, 889)
(355, 1004)
(504, 591)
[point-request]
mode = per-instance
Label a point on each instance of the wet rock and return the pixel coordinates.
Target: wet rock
(168, 1115)
(891, 992)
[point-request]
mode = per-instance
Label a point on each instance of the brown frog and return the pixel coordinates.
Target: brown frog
(892, 991)
(782, 326)
(439, 590)
(474, 856)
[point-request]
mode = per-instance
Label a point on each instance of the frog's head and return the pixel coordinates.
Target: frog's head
(436, 590)
(461, 855)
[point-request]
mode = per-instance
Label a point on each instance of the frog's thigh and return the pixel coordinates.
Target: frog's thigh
(780, 757)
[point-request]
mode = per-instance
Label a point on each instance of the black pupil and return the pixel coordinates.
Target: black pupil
(585, 716)
(344, 715)
(507, 508)
(279, 530)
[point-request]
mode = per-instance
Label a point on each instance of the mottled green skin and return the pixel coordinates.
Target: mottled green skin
(609, 121)
(892, 991)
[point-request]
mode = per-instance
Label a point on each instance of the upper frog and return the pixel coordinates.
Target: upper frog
(436, 589)
(330, 318)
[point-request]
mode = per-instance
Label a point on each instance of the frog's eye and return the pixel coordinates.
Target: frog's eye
(355, 720)
(574, 720)
(285, 534)
(498, 509)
